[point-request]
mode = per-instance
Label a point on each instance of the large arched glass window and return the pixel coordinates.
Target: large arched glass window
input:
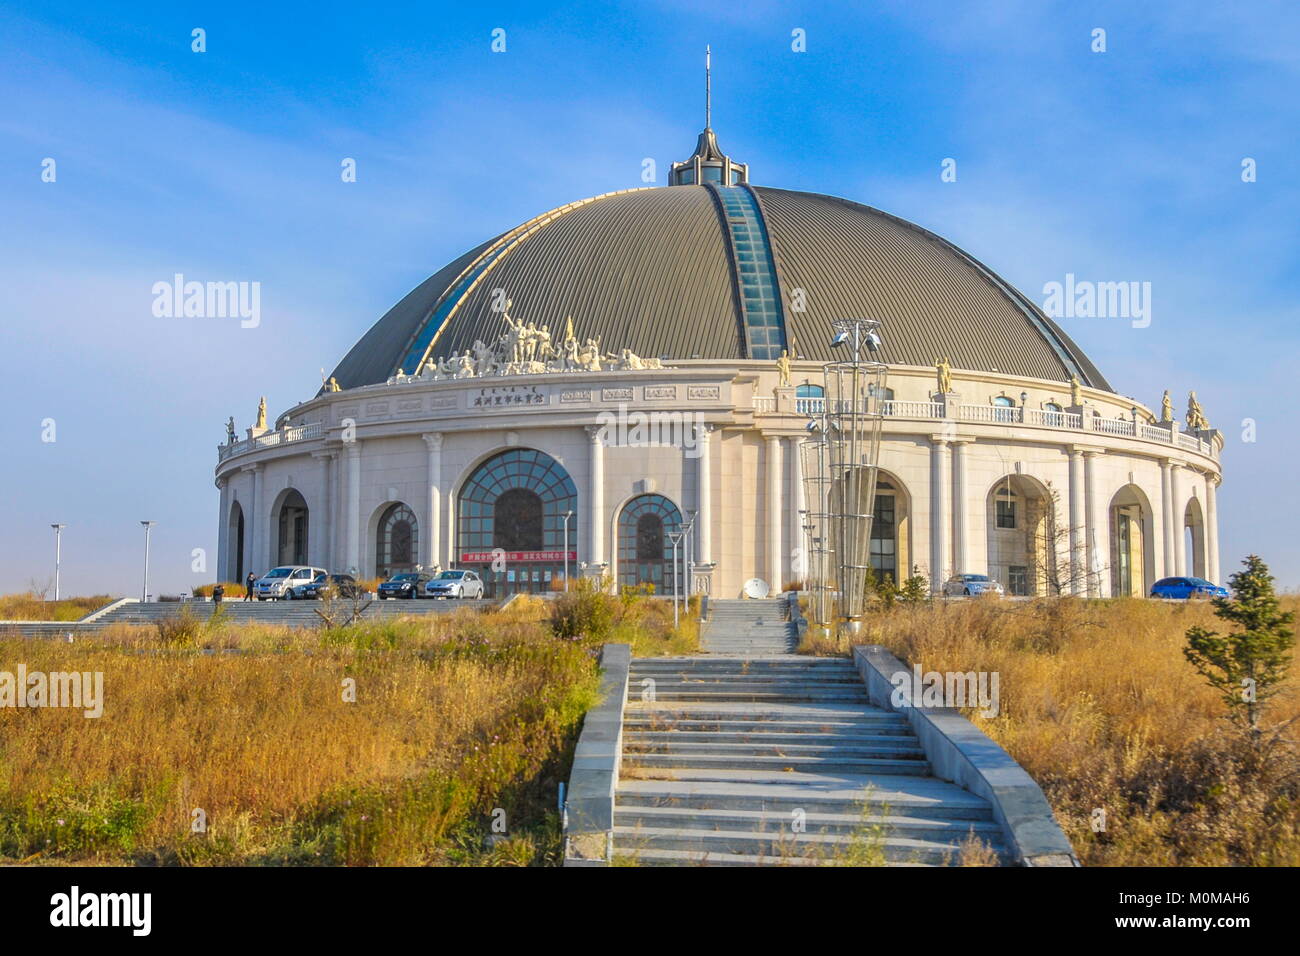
(516, 502)
(397, 541)
(645, 555)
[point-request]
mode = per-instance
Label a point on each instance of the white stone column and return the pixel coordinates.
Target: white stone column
(704, 494)
(1166, 519)
(319, 520)
(254, 556)
(596, 498)
(1078, 526)
(940, 511)
(223, 533)
(352, 549)
(1097, 530)
(797, 544)
(774, 512)
(433, 533)
(1211, 528)
(960, 559)
(1176, 514)
(336, 508)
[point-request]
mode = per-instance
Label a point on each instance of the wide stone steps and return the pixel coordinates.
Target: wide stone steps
(644, 845)
(779, 760)
(651, 764)
(799, 821)
(748, 628)
(886, 795)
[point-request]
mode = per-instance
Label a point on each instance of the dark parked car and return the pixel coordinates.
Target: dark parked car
(1181, 589)
(336, 585)
(408, 584)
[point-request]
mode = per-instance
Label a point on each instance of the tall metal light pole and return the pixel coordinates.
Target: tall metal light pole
(689, 564)
(854, 390)
(144, 590)
(567, 516)
(58, 554)
(675, 537)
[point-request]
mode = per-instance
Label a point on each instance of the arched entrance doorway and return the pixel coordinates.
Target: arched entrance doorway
(1021, 530)
(292, 526)
(1194, 539)
(510, 522)
(889, 530)
(235, 545)
(1131, 557)
(645, 555)
(397, 540)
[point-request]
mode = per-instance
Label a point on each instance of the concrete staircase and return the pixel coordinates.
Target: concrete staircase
(745, 628)
(779, 760)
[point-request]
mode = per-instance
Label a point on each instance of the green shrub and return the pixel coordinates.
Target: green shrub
(585, 612)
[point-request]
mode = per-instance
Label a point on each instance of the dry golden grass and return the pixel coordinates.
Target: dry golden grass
(30, 607)
(1100, 707)
(454, 716)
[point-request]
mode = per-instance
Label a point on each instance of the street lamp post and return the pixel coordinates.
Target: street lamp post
(567, 516)
(58, 554)
(144, 590)
(689, 564)
(675, 537)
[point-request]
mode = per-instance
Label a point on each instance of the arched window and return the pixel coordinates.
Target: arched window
(396, 544)
(1002, 401)
(645, 555)
(808, 390)
(516, 501)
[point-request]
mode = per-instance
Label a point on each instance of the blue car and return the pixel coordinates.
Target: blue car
(1181, 589)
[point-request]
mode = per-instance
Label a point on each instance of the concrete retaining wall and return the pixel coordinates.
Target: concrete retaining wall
(960, 752)
(589, 799)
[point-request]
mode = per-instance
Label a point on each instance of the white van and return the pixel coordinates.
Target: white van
(275, 584)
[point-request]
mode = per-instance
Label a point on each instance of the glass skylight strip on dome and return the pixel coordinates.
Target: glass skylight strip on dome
(755, 271)
(449, 302)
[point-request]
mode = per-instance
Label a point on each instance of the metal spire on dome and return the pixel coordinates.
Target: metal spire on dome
(708, 87)
(708, 164)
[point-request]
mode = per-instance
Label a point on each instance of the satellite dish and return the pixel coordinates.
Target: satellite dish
(756, 588)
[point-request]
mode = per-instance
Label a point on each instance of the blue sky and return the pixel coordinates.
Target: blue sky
(1123, 165)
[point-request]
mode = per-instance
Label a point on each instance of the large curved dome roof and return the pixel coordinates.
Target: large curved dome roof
(719, 272)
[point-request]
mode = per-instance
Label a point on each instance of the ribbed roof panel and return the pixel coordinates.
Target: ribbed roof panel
(650, 270)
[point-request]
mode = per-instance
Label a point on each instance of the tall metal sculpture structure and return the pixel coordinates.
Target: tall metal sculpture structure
(841, 468)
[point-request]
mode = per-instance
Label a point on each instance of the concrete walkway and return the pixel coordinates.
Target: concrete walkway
(769, 758)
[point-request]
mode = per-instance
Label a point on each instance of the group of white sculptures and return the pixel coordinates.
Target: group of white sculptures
(526, 349)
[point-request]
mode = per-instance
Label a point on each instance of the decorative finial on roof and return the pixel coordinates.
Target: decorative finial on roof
(708, 87)
(708, 164)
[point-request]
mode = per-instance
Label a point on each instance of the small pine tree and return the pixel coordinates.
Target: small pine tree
(1246, 666)
(915, 590)
(887, 591)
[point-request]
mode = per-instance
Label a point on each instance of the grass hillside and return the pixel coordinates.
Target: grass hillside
(452, 751)
(30, 606)
(1100, 706)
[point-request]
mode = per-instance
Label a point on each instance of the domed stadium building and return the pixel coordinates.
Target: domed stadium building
(573, 391)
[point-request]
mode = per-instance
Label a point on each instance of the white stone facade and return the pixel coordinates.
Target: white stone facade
(1099, 498)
